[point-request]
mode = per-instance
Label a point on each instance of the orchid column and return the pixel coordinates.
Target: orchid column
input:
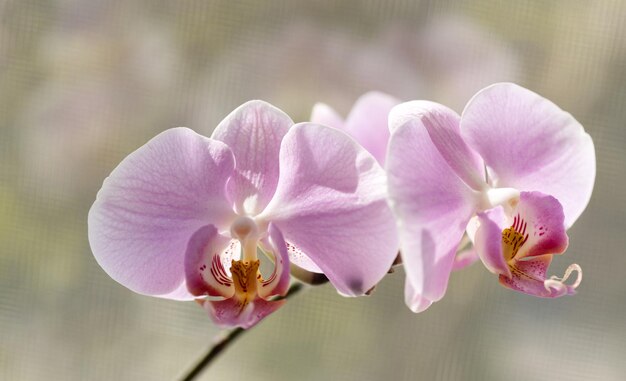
(185, 217)
(513, 172)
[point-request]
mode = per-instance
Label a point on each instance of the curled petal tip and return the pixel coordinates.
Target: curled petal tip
(557, 285)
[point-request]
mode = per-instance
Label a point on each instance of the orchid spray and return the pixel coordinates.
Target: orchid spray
(227, 220)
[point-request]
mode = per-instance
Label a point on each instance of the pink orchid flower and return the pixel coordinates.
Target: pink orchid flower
(513, 172)
(367, 122)
(184, 216)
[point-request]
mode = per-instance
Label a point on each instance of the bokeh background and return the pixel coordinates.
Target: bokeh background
(85, 82)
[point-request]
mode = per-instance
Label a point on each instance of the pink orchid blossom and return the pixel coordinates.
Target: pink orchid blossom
(513, 173)
(184, 216)
(367, 122)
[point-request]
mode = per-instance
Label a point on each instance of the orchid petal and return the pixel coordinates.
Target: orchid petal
(278, 282)
(204, 268)
(465, 258)
(432, 206)
(442, 125)
(416, 301)
(302, 260)
(253, 132)
(543, 218)
(529, 143)
(152, 203)
(325, 115)
(228, 313)
(488, 240)
(367, 122)
(331, 203)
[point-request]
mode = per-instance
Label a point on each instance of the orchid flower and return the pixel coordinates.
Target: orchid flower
(366, 122)
(185, 217)
(513, 173)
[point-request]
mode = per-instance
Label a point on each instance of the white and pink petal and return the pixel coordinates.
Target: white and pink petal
(529, 143)
(432, 205)
(367, 122)
(543, 219)
(331, 203)
(442, 126)
(488, 240)
(152, 203)
(465, 258)
(325, 115)
(277, 283)
(205, 272)
(253, 132)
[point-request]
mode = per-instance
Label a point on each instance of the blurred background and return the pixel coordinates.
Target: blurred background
(83, 83)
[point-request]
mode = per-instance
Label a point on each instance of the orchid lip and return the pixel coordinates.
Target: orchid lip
(245, 275)
(528, 265)
(558, 284)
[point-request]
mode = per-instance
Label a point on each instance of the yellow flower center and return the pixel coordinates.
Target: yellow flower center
(513, 238)
(512, 241)
(245, 275)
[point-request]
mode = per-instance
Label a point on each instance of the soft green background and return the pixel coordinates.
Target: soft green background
(83, 83)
